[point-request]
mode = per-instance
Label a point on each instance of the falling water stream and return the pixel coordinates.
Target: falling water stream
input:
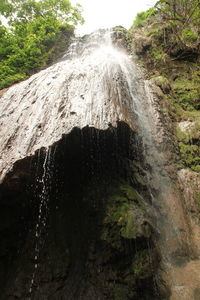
(43, 195)
(96, 84)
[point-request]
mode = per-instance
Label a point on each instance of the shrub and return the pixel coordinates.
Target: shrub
(143, 17)
(187, 93)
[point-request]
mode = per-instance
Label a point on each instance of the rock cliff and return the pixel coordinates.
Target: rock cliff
(90, 202)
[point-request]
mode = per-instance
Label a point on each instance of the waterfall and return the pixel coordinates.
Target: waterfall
(43, 194)
(96, 85)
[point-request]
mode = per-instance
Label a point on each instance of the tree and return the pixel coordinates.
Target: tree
(182, 11)
(183, 19)
(34, 28)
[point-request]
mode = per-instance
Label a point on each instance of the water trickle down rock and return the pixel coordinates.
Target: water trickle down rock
(88, 90)
(97, 85)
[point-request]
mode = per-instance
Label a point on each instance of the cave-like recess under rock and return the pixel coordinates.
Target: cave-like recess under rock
(97, 239)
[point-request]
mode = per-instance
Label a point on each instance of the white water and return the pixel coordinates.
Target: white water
(43, 197)
(82, 91)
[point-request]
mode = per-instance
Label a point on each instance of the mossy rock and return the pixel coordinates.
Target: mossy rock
(163, 83)
(197, 199)
(189, 36)
(159, 56)
(187, 93)
(131, 194)
(190, 155)
(185, 115)
(125, 215)
(141, 266)
(129, 228)
(187, 131)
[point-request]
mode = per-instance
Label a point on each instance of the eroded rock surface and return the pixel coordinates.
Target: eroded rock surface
(87, 90)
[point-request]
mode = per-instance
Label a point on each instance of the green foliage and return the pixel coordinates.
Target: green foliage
(183, 11)
(10, 79)
(142, 18)
(187, 92)
(196, 168)
(159, 55)
(34, 29)
(174, 55)
(17, 11)
(189, 145)
(124, 214)
(163, 83)
(190, 155)
(141, 264)
(189, 35)
(184, 18)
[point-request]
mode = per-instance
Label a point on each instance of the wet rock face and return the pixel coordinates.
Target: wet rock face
(97, 230)
(87, 88)
(75, 225)
(87, 186)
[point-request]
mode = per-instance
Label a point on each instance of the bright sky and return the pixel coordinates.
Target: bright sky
(109, 13)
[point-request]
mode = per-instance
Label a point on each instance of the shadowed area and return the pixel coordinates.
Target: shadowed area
(95, 236)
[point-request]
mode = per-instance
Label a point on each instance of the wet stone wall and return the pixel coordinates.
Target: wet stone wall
(76, 221)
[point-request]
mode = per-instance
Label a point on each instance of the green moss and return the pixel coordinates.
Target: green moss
(130, 193)
(189, 134)
(155, 32)
(189, 146)
(161, 80)
(189, 35)
(190, 155)
(187, 93)
(191, 115)
(128, 229)
(181, 136)
(184, 115)
(197, 199)
(196, 168)
(159, 55)
(163, 83)
(125, 207)
(120, 29)
(141, 265)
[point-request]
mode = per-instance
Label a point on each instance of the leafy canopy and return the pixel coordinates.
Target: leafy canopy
(184, 18)
(34, 28)
(142, 18)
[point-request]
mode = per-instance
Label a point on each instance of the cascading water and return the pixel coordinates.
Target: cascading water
(43, 194)
(96, 85)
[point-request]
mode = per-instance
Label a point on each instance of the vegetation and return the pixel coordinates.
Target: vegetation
(172, 58)
(182, 19)
(29, 40)
(197, 198)
(187, 92)
(181, 11)
(122, 221)
(142, 18)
